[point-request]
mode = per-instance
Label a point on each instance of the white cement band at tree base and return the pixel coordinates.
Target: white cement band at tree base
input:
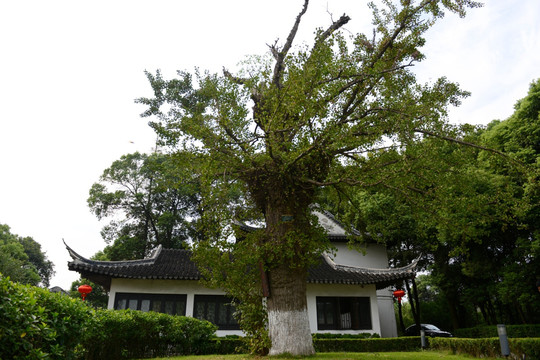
(290, 333)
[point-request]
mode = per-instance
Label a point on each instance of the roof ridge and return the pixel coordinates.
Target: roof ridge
(150, 260)
(335, 266)
(351, 231)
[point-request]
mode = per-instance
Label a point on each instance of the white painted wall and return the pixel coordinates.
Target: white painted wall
(314, 290)
(369, 256)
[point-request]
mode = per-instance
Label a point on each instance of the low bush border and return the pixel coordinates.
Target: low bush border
(513, 331)
(524, 348)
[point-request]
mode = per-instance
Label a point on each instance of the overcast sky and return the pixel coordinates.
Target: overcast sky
(70, 71)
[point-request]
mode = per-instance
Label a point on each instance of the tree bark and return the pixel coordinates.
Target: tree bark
(415, 304)
(288, 321)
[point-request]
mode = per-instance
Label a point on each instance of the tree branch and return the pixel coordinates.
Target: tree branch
(280, 55)
(335, 26)
(461, 142)
(234, 79)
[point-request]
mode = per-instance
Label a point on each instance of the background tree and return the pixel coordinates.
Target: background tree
(150, 199)
(336, 113)
(519, 136)
(22, 260)
(475, 223)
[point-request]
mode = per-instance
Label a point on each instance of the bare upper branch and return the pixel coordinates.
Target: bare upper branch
(280, 56)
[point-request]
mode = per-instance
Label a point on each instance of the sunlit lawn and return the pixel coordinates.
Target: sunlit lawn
(420, 355)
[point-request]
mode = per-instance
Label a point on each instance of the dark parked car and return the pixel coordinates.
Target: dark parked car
(430, 330)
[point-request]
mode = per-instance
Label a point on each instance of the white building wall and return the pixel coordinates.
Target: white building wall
(372, 256)
(368, 256)
(314, 290)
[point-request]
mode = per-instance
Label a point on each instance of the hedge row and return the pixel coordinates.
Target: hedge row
(367, 345)
(129, 334)
(344, 336)
(526, 348)
(513, 331)
(37, 324)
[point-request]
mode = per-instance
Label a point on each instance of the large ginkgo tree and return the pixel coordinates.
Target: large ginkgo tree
(338, 112)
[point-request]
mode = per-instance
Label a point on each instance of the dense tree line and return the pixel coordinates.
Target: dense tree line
(22, 259)
(474, 221)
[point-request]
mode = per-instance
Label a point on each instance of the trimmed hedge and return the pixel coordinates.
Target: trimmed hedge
(38, 324)
(411, 343)
(513, 331)
(127, 334)
(344, 336)
(528, 348)
(225, 346)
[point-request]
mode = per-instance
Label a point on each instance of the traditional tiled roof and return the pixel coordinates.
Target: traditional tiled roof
(335, 229)
(328, 272)
(164, 264)
(176, 264)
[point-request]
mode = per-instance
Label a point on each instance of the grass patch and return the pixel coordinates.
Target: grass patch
(419, 355)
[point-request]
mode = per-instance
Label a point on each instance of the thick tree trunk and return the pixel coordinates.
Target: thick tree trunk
(288, 321)
(289, 250)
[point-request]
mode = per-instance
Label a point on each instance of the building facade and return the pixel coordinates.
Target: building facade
(349, 291)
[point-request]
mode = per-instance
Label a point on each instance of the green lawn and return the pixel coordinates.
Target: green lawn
(420, 355)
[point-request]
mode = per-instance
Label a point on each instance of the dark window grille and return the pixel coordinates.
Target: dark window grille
(217, 309)
(172, 304)
(343, 313)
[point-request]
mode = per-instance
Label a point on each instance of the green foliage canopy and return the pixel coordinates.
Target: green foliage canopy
(150, 200)
(337, 113)
(22, 259)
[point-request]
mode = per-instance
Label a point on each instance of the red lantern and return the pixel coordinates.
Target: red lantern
(399, 294)
(85, 290)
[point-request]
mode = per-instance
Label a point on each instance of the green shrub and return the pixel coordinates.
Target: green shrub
(126, 334)
(38, 324)
(513, 331)
(344, 336)
(488, 347)
(229, 345)
(367, 345)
